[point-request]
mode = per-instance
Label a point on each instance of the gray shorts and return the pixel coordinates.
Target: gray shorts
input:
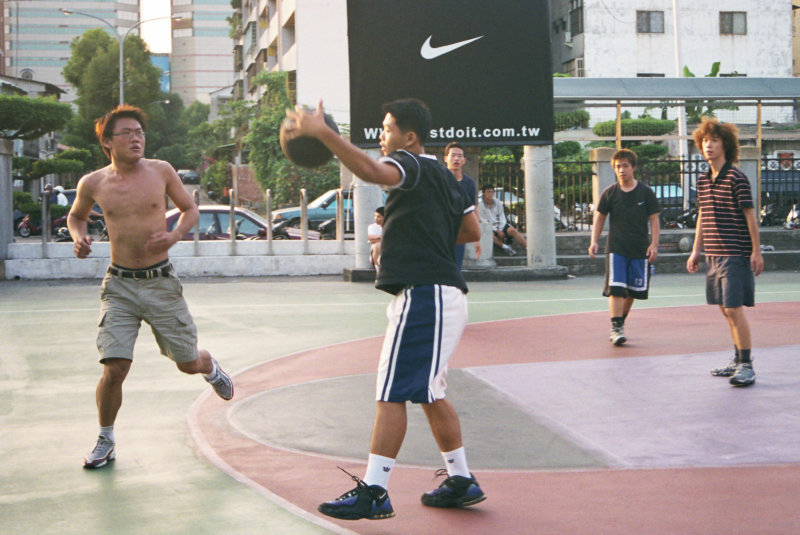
(159, 301)
(730, 282)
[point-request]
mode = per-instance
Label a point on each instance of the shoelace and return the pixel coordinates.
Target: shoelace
(101, 441)
(354, 478)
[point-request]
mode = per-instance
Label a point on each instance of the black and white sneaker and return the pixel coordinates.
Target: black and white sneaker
(617, 335)
(725, 371)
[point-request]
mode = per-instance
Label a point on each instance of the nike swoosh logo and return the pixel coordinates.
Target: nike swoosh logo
(432, 52)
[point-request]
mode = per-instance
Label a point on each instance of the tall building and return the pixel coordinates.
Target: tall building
(36, 35)
(305, 38)
(630, 38)
(202, 60)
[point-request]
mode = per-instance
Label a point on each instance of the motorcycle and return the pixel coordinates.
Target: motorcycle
(688, 218)
(768, 216)
(26, 227)
(792, 218)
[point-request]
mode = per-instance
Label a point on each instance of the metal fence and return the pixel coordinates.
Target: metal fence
(572, 190)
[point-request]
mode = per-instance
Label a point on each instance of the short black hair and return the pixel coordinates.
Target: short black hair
(379, 210)
(410, 114)
(453, 145)
(487, 186)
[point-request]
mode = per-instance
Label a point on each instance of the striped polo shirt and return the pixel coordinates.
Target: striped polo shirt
(721, 201)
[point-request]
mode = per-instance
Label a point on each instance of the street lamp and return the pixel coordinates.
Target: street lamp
(120, 38)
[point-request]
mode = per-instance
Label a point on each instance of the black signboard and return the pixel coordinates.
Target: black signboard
(483, 67)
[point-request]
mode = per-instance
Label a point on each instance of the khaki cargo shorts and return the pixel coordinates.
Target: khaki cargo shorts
(159, 301)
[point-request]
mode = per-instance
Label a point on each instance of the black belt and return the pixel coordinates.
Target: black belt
(141, 274)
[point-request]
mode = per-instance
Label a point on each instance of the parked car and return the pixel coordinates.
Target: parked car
(214, 224)
(188, 176)
(320, 210)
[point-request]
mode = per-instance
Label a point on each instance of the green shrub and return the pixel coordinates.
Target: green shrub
(635, 127)
(650, 151)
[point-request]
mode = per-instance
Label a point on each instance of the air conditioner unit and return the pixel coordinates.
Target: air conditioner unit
(568, 38)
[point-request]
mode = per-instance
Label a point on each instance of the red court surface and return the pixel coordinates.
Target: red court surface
(731, 498)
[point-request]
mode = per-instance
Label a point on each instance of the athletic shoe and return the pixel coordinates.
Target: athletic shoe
(455, 491)
(725, 371)
(222, 384)
(364, 501)
(744, 376)
(102, 453)
(617, 335)
(509, 250)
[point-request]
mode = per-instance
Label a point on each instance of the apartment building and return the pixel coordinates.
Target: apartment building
(201, 61)
(637, 38)
(306, 38)
(36, 35)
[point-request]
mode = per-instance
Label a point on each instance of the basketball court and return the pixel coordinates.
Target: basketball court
(565, 432)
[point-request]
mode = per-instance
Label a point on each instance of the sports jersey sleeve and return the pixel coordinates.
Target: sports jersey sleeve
(407, 164)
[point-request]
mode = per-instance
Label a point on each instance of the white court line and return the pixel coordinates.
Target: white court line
(240, 306)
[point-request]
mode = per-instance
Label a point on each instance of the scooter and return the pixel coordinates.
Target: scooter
(792, 218)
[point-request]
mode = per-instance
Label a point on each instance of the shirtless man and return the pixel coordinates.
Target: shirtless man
(140, 283)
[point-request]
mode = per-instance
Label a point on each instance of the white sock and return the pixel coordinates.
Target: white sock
(213, 375)
(379, 469)
(108, 432)
(456, 462)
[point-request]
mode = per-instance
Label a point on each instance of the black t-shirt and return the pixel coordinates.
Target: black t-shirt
(422, 218)
(629, 213)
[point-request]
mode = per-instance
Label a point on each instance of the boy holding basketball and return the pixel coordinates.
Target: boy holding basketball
(427, 213)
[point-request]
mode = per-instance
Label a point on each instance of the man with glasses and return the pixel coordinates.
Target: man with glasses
(140, 283)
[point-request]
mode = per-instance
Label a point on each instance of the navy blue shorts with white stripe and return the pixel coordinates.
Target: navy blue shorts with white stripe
(425, 326)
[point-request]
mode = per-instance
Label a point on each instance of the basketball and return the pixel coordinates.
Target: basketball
(306, 151)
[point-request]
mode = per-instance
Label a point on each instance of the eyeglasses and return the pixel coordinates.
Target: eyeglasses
(128, 134)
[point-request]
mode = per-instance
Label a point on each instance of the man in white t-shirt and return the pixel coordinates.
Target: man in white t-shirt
(374, 233)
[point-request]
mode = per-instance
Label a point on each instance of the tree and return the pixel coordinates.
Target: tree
(30, 118)
(93, 69)
(272, 169)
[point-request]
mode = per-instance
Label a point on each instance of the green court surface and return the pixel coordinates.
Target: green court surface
(160, 482)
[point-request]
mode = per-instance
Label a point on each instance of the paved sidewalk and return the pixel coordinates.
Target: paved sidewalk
(162, 482)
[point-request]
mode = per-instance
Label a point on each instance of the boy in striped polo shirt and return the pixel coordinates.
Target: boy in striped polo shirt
(727, 231)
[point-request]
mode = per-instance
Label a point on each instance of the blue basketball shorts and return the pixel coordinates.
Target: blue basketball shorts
(425, 326)
(626, 277)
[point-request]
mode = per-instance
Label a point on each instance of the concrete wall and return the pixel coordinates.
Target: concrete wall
(613, 48)
(208, 259)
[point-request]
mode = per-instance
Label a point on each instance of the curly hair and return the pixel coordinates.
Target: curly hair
(727, 132)
(104, 126)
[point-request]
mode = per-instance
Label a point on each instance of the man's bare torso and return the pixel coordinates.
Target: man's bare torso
(134, 206)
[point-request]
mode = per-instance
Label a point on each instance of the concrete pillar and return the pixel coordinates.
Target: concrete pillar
(486, 261)
(603, 172)
(366, 198)
(537, 162)
(748, 163)
(6, 198)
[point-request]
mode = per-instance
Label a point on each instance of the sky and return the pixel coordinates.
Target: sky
(156, 33)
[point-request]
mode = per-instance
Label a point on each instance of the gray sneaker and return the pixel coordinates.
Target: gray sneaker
(222, 383)
(102, 453)
(744, 376)
(725, 371)
(617, 335)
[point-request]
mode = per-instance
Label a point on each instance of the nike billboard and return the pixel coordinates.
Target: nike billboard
(483, 68)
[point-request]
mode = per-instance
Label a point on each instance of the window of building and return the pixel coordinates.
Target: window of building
(732, 23)
(576, 17)
(649, 22)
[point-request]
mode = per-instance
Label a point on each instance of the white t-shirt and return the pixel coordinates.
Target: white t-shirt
(374, 229)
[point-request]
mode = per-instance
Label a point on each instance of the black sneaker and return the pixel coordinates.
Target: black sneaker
(744, 376)
(455, 491)
(364, 501)
(725, 371)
